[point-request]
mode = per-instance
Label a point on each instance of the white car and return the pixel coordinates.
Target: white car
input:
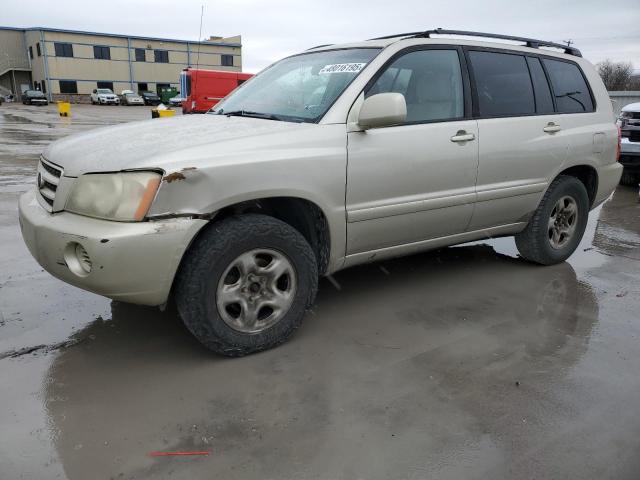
(629, 123)
(176, 101)
(104, 96)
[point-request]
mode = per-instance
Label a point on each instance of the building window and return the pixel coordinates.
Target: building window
(44, 86)
(227, 60)
(101, 53)
(68, 86)
(63, 49)
(38, 49)
(108, 85)
(161, 56)
(31, 53)
(160, 86)
(143, 87)
(140, 55)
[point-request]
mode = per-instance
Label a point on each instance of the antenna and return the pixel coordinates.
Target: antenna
(568, 42)
(195, 78)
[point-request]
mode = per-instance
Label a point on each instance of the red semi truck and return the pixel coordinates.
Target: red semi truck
(202, 89)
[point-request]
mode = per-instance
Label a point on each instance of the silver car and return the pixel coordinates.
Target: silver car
(337, 156)
(128, 97)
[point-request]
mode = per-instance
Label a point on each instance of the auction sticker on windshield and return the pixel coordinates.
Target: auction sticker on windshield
(342, 68)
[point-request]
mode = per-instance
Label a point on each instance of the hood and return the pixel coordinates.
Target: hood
(632, 107)
(161, 143)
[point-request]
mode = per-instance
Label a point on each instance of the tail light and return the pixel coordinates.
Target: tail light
(619, 144)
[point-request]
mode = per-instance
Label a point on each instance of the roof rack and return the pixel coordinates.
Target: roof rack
(319, 46)
(529, 42)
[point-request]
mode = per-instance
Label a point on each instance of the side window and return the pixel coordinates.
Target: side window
(431, 82)
(569, 87)
(503, 84)
(544, 102)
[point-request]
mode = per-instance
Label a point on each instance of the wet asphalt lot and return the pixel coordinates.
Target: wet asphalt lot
(461, 363)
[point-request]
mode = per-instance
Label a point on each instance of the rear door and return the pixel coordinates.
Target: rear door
(416, 181)
(522, 139)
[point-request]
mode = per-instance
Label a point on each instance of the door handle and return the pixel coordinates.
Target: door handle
(463, 136)
(552, 128)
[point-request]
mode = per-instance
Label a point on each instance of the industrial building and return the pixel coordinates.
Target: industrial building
(68, 64)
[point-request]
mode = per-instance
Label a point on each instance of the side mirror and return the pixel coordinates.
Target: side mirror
(383, 110)
(95, 91)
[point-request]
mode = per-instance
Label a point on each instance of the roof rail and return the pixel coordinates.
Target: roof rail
(529, 42)
(319, 46)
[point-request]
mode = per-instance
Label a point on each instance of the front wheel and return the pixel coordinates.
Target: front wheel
(245, 284)
(558, 224)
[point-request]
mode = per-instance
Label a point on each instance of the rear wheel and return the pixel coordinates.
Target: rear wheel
(557, 225)
(245, 284)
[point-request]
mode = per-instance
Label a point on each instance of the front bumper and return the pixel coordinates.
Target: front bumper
(630, 155)
(131, 262)
(107, 101)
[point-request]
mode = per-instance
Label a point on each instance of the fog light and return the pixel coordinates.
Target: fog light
(77, 259)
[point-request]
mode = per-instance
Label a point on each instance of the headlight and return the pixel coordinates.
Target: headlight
(626, 114)
(124, 196)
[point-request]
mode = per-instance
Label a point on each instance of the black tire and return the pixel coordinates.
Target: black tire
(629, 179)
(208, 258)
(534, 243)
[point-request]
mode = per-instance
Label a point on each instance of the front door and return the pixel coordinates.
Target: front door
(415, 181)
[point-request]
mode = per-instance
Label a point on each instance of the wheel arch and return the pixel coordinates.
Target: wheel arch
(588, 175)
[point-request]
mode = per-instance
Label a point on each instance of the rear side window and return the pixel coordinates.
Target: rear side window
(544, 102)
(569, 87)
(431, 82)
(503, 84)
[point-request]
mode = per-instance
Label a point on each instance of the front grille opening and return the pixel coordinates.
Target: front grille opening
(51, 170)
(48, 178)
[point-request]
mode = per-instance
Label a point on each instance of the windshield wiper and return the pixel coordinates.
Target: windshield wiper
(249, 113)
(571, 96)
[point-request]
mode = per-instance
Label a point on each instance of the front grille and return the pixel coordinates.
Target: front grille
(48, 180)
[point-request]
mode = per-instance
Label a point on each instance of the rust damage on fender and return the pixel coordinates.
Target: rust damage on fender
(176, 176)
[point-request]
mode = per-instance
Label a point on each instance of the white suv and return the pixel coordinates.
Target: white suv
(337, 156)
(104, 96)
(629, 123)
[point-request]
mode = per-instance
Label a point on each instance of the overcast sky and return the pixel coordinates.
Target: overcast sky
(273, 29)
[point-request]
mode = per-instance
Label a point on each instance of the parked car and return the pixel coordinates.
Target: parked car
(34, 97)
(176, 101)
(104, 96)
(448, 141)
(629, 123)
(129, 97)
(150, 98)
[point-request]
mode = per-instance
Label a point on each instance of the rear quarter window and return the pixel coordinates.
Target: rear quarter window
(569, 87)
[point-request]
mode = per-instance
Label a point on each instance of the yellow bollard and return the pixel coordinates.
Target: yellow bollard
(64, 109)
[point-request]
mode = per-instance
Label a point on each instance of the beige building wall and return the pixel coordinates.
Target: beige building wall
(122, 68)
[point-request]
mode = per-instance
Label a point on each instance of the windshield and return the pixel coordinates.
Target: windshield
(299, 88)
(104, 90)
(34, 93)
